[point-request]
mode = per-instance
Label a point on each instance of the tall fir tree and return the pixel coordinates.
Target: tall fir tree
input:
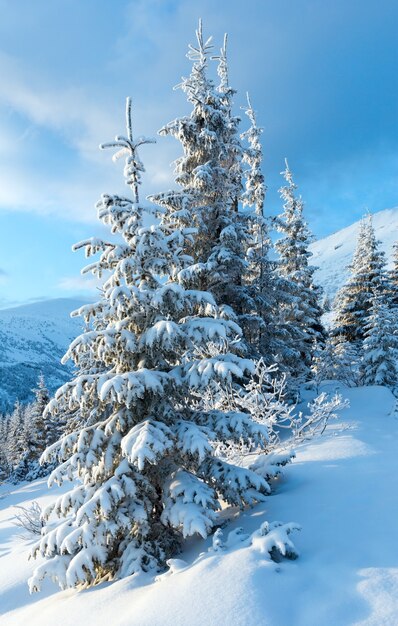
(298, 305)
(145, 457)
(394, 276)
(258, 323)
(209, 174)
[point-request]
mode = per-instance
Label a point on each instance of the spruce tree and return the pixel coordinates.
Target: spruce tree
(145, 457)
(42, 431)
(4, 465)
(17, 437)
(209, 174)
(368, 278)
(394, 276)
(258, 324)
(298, 305)
(380, 346)
(43, 435)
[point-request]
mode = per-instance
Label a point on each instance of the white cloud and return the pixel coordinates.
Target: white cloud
(80, 284)
(78, 121)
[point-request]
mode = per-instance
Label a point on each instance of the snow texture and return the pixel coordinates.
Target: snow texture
(341, 491)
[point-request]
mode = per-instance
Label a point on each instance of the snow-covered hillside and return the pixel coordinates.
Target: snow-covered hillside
(33, 339)
(334, 253)
(342, 491)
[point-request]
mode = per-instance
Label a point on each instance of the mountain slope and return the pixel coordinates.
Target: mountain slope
(33, 339)
(334, 253)
(342, 491)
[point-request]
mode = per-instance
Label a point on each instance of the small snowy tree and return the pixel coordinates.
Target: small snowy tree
(4, 461)
(348, 359)
(367, 277)
(323, 366)
(144, 453)
(28, 435)
(17, 442)
(42, 431)
(380, 352)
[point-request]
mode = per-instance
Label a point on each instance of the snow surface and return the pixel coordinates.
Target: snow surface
(342, 491)
(334, 253)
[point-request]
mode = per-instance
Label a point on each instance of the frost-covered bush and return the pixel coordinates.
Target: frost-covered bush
(29, 520)
(263, 397)
(320, 411)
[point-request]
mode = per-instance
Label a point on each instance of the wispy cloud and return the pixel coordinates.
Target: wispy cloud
(79, 121)
(3, 276)
(72, 112)
(80, 284)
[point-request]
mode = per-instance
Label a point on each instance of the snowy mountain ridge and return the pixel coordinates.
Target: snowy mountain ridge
(334, 253)
(33, 339)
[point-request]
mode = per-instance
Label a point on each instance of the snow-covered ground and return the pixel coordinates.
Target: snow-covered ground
(334, 253)
(342, 490)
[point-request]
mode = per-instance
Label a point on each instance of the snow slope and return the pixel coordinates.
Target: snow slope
(33, 339)
(341, 490)
(334, 253)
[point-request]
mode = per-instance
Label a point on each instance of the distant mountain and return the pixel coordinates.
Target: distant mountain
(33, 339)
(334, 253)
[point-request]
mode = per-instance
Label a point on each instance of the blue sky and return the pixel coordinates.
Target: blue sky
(322, 77)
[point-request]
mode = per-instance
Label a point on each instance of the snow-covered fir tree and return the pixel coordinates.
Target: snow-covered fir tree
(323, 366)
(4, 464)
(367, 278)
(209, 174)
(42, 432)
(298, 304)
(17, 439)
(48, 429)
(258, 326)
(24, 434)
(336, 359)
(394, 276)
(145, 455)
(380, 346)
